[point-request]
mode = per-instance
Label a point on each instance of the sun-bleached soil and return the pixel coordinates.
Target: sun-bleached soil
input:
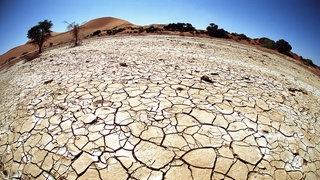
(154, 107)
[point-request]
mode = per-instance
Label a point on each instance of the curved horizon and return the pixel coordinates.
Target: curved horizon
(294, 21)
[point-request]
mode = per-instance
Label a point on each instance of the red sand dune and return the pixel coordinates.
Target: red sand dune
(105, 23)
(57, 38)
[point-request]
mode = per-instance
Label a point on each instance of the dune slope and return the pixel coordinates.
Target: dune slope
(57, 38)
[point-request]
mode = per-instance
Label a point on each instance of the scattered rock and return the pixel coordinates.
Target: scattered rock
(5, 173)
(179, 88)
(206, 79)
(292, 89)
(48, 81)
(123, 64)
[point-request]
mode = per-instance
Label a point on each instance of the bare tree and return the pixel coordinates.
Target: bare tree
(75, 28)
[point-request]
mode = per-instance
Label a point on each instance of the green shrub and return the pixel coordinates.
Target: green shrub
(308, 62)
(181, 27)
(244, 37)
(241, 36)
(40, 33)
(267, 43)
(283, 46)
(96, 33)
(141, 29)
(109, 32)
(214, 31)
(114, 31)
(150, 29)
(120, 30)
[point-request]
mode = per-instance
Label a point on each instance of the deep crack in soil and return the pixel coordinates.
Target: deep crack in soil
(155, 107)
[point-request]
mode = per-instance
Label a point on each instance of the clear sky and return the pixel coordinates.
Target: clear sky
(296, 21)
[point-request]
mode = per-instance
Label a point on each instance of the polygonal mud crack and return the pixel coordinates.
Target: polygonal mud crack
(202, 158)
(153, 156)
(80, 115)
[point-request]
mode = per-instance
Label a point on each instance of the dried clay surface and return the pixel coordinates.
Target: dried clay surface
(159, 107)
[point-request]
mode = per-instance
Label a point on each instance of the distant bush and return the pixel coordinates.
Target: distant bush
(267, 43)
(119, 30)
(150, 29)
(96, 33)
(141, 29)
(214, 31)
(308, 62)
(182, 27)
(115, 31)
(109, 32)
(283, 46)
(241, 36)
(244, 37)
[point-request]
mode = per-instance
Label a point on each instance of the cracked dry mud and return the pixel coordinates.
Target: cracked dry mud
(159, 107)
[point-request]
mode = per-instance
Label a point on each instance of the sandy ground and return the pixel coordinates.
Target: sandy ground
(154, 107)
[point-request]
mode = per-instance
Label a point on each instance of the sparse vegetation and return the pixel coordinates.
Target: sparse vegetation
(244, 37)
(152, 29)
(267, 43)
(40, 33)
(75, 28)
(181, 27)
(141, 29)
(308, 62)
(283, 46)
(110, 32)
(241, 36)
(214, 31)
(96, 33)
(115, 31)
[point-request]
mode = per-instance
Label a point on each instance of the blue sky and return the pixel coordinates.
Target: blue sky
(296, 21)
